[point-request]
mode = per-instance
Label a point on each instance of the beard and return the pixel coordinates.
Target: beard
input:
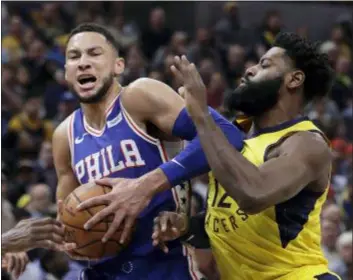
(254, 98)
(100, 92)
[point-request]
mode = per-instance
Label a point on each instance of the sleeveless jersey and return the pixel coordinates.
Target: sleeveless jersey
(124, 150)
(274, 243)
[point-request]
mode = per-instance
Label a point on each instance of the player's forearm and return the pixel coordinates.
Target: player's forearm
(8, 242)
(4, 244)
(239, 177)
(156, 180)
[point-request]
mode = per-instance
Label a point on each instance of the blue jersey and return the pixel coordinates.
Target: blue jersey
(124, 150)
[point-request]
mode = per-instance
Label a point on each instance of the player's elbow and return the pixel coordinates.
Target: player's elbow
(252, 204)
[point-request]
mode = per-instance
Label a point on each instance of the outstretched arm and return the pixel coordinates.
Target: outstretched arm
(150, 101)
(303, 157)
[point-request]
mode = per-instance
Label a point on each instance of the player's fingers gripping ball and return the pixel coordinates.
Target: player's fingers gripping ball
(89, 242)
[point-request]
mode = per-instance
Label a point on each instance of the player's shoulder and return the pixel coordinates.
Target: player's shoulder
(143, 93)
(308, 144)
(61, 131)
(142, 87)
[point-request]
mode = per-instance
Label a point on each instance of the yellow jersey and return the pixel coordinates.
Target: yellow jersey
(281, 242)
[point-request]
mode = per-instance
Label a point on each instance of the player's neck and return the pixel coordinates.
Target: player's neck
(275, 116)
(95, 114)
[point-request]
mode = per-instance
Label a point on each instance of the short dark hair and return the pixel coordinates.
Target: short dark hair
(97, 28)
(306, 57)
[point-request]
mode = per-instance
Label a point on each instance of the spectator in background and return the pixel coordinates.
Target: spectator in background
(345, 201)
(332, 213)
(272, 26)
(39, 201)
(227, 28)
(324, 113)
(11, 42)
(24, 176)
(339, 37)
(176, 46)
(49, 20)
(344, 267)
(135, 65)
(10, 94)
(343, 87)
(157, 33)
(207, 68)
(330, 233)
(169, 77)
(126, 34)
(235, 64)
(331, 49)
(42, 71)
(28, 129)
(203, 48)
(348, 118)
(215, 90)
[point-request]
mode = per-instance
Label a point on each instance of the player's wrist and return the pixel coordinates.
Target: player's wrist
(157, 181)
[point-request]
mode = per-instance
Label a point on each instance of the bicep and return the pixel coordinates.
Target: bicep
(303, 159)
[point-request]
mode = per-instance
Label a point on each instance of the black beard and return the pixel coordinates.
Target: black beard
(100, 94)
(254, 98)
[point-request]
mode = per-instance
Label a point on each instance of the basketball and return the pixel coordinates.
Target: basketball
(88, 242)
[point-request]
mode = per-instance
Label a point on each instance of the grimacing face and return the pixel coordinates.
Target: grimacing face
(259, 90)
(91, 66)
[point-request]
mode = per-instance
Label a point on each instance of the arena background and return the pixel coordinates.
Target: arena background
(222, 38)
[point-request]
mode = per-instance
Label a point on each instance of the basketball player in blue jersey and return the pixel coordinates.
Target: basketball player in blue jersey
(264, 204)
(118, 133)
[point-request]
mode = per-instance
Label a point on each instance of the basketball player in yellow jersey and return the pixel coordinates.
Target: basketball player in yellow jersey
(264, 204)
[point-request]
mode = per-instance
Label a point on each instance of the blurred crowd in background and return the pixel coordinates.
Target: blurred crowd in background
(35, 100)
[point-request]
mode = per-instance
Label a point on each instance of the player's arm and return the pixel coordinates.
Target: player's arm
(304, 158)
(150, 101)
(67, 181)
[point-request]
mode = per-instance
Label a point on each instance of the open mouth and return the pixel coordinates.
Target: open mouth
(85, 79)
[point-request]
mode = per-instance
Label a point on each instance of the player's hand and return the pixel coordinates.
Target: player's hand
(33, 233)
(15, 263)
(126, 201)
(168, 226)
(193, 89)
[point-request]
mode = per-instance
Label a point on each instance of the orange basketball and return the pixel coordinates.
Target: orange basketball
(89, 242)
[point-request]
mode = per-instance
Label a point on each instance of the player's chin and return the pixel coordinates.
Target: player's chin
(86, 96)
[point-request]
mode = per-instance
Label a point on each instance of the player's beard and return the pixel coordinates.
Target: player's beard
(254, 98)
(100, 92)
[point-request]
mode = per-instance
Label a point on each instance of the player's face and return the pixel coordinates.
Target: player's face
(260, 86)
(91, 65)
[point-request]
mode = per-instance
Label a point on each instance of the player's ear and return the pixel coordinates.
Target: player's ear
(295, 79)
(119, 66)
